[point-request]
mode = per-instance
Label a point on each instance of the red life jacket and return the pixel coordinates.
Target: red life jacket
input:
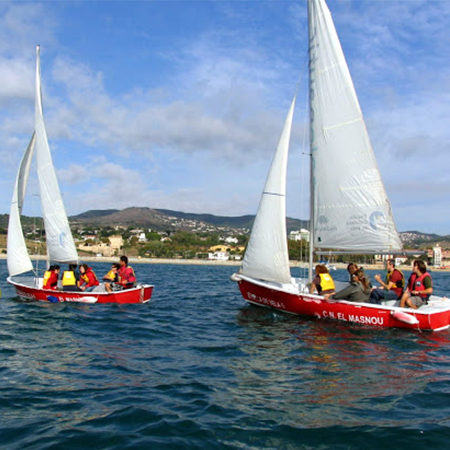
(412, 279)
(51, 281)
(418, 284)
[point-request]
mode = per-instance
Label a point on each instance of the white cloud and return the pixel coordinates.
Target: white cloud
(197, 133)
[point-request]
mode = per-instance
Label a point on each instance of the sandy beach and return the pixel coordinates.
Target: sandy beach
(207, 262)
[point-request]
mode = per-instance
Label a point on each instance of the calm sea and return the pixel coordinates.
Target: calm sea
(198, 369)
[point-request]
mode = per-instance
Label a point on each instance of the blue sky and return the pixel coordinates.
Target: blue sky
(180, 104)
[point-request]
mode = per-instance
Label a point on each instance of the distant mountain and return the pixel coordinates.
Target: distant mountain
(218, 221)
(94, 213)
(167, 219)
(128, 217)
(417, 238)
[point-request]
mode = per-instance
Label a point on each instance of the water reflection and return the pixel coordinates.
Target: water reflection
(319, 373)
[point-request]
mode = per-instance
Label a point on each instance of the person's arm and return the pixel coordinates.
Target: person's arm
(315, 282)
(345, 293)
(387, 286)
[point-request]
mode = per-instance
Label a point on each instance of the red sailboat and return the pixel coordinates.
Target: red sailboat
(60, 245)
(349, 208)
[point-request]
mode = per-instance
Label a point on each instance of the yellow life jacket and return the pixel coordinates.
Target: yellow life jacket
(47, 274)
(111, 275)
(68, 278)
(398, 284)
(326, 282)
(84, 277)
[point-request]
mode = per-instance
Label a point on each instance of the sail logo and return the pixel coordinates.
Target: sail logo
(378, 221)
(62, 237)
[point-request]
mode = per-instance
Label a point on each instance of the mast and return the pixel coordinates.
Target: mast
(311, 157)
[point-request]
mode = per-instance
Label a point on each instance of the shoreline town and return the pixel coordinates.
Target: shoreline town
(209, 262)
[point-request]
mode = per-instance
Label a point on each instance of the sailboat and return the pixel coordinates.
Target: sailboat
(60, 244)
(349, 208)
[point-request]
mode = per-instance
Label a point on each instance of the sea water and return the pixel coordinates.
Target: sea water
(197, 368)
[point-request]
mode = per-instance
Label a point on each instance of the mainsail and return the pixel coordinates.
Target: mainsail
(60, 244)
(267, 256)
(350, 207)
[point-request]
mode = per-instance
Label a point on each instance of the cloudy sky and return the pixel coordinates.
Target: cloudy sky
(180, 104)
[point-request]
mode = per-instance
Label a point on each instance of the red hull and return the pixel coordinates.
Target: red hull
(140, 294)
(362, 313)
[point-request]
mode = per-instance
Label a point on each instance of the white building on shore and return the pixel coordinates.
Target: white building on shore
(299, 235)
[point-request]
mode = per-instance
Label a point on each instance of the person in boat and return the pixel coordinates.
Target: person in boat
(51, 277)
(111, 279)
(420, 287)
(71, 279)
(323, 282)
(358, 290)
(88, 279)
(352, 268)
(127, 277)
(392, 288)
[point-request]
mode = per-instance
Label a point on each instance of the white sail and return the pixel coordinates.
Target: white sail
(351, 208)
(18, 259)
(60, 244)
(267, 256)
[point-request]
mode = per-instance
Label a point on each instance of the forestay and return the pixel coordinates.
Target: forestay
(351, 208)
(267, 256)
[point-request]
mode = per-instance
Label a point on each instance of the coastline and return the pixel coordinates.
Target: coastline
(208, 262)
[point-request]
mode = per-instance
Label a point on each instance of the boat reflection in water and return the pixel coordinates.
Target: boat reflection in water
(315, 374)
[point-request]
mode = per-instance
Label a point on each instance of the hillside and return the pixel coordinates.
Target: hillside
(163, 219)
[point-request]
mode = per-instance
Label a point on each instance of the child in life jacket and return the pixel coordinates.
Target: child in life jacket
(51, 278)
(112, 277)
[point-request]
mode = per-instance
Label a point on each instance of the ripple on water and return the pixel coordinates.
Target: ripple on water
(197, 368)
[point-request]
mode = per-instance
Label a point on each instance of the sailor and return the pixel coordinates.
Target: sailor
(88, 279)
(70, 279)
(322, 282)
(51, 278)
(111, 279)
(127, 277)
(392, 288)
(420, 287)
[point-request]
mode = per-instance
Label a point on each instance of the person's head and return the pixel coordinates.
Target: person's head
(352, 268)
(83, 268)
(73, 267)
(123, 260)
(390, 264)
(360, 277)
(56, 268)
(115, 267)
(419, 267)
(320, 268)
